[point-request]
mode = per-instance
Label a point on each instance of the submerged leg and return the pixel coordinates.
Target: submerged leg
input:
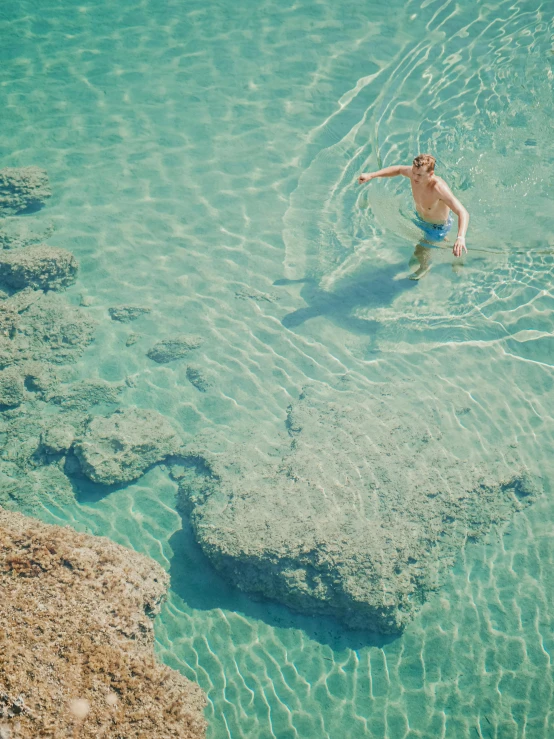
(422, 255)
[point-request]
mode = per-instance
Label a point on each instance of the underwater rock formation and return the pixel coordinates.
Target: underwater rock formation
(358, 520)
(76, 640)
(43, 327)
(122, 446)
(127, 313)
(43, 267)
(178, 346)
(22, 188)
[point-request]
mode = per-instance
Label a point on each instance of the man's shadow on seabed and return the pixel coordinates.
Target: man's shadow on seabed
(369, 287)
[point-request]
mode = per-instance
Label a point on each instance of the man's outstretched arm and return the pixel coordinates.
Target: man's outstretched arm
(399, 169)
(463, 219)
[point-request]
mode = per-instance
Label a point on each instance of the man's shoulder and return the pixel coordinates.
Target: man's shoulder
(440, 185)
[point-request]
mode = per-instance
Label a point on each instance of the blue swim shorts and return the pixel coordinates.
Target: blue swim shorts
(434, 231)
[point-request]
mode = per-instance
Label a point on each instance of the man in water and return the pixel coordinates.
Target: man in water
(434, 202)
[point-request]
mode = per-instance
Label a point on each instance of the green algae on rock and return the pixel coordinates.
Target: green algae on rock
(167, 350)
(43, 267)
(122, 446)
(22, 188)
(76, 614)
(359, 519)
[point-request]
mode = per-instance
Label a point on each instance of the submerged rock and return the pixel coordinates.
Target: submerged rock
(87, 393)
(9, 319)
(127, 313)
(31, 489)
(44, 267)
(48, 329)
(22, 188)
(12, 388)
(198, 377)
(169, 349)
(17, 233)
(358, 520)
(58, 439)
(76, 641)
(121, 447)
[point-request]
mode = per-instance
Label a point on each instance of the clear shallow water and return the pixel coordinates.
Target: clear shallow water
(198, 152)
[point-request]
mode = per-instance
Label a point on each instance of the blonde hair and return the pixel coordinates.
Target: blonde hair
(426, 161)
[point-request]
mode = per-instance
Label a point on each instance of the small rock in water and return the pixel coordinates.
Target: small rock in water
(198, 378)
(22, 188)
(127, 313)
(250, 293)
(168, 350)
(132, 339)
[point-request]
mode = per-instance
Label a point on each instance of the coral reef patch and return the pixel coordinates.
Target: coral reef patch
(76, 640)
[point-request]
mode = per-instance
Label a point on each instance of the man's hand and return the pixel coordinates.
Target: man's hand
(459, 246)
(365, 177)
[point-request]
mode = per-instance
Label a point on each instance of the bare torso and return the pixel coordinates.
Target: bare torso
(428, 203)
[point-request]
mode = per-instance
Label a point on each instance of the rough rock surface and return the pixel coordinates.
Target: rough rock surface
(127, 313)
(169, 349)
(58, 439)
(41, 266)
(76, 640)
(22, 188)
(122, 446)
(42, 327)
(12, 389)
(359, 519)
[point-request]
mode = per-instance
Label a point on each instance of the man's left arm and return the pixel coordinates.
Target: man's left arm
(463, 218)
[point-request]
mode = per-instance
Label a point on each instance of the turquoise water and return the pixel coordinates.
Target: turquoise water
(200, 152)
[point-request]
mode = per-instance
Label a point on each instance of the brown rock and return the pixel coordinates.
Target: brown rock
(76, 640)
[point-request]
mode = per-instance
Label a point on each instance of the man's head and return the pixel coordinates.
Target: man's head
(423, 168)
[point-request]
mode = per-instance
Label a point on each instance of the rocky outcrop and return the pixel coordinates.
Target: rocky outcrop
(127, 313)
(76, 640)
(121, 447)
(177, 347)
(359, 519)
(22, 188)
(43, 267)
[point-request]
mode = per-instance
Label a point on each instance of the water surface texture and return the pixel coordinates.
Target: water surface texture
(201, 152)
